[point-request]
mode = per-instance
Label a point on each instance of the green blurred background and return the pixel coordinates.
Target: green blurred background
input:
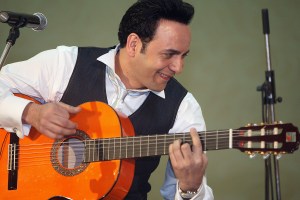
(226, 63)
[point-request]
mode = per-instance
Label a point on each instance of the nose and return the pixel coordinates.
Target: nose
(177, 65)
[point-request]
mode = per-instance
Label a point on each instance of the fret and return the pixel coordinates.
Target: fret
(100, 149)
(93, 150)
(126, 148)
(230, 138)
(99, 153)
(88, 151)
(152, 142)
(140, 146)
(120, 146)
(226, 140)
(217, 140)
(148, 146)
(155, 144)
(114, 148)
(133, 148)
(84, 155)
(205, 146)
(103, 149)
(97, 150)
(137, 146)
(108, 149)
(129, 147)
(143, 149)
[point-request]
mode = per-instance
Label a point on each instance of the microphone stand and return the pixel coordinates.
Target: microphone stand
(268, 114)
(14, 34)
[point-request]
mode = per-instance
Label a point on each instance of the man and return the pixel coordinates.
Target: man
(138, 80)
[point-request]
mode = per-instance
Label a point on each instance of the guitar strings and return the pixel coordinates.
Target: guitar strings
(43, 159)
(149, 138)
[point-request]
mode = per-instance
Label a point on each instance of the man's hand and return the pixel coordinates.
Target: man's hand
(51, 119)
(188, 163)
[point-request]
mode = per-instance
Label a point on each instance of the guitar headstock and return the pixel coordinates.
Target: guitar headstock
(267, 139)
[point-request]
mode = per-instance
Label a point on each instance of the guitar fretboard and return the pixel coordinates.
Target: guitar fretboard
(150, 145)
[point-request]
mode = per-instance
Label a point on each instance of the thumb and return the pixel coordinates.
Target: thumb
(69, 108)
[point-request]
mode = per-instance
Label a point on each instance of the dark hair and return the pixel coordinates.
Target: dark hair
(143, 16)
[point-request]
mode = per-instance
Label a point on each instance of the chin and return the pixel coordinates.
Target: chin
(158, 89)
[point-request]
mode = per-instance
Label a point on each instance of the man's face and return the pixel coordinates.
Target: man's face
(163, 56)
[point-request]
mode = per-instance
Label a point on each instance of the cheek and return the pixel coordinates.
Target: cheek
(149, 65)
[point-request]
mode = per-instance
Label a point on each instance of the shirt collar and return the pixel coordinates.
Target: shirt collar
(109, 60)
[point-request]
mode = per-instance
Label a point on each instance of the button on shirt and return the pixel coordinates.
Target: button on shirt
(46, 76)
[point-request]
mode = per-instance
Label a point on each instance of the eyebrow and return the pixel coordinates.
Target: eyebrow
(173, 51)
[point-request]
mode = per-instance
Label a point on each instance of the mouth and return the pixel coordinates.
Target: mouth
(164, 76)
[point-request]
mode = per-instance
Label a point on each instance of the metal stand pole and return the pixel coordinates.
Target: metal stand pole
(14, 33)
(269, 100)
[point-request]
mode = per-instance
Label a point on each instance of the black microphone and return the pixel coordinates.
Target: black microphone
(265, 20)
(37, 21)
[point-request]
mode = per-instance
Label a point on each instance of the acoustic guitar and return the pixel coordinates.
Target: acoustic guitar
(98, 161)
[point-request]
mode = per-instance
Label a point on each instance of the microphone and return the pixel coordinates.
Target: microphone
(36, 22)
(265, 20)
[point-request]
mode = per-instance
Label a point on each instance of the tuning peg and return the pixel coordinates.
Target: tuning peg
(251, 124)
(278, 122)
(278, 156)
(252, 155)
(266, 156)
(279, 99)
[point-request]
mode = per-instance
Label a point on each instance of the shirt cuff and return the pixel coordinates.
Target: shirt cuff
(11, 116)
(200, 192)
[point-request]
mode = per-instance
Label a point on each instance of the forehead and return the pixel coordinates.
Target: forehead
(172, 35)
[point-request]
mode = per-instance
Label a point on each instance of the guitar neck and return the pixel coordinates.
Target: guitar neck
(151, 145)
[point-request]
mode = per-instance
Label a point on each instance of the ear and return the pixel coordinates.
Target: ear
(133, 44)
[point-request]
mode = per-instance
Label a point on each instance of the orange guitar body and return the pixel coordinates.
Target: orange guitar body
(39, 180)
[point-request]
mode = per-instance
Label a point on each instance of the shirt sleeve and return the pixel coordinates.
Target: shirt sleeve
(189, 115)
(44, 76)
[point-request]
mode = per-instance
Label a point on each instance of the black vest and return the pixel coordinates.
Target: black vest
(156, 115)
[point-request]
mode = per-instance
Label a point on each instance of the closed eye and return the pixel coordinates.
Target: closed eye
(171, 52)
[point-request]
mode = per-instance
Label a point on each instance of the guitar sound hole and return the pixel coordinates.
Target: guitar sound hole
(70, 153)
(67, 154)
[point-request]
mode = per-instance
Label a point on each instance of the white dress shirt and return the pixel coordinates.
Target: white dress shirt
(46, 76)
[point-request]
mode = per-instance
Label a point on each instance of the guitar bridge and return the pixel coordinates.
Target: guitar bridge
(11, 165)
(12, 162)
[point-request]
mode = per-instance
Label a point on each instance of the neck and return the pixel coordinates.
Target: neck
(151, 145)
(124, 71)
(120, 70)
